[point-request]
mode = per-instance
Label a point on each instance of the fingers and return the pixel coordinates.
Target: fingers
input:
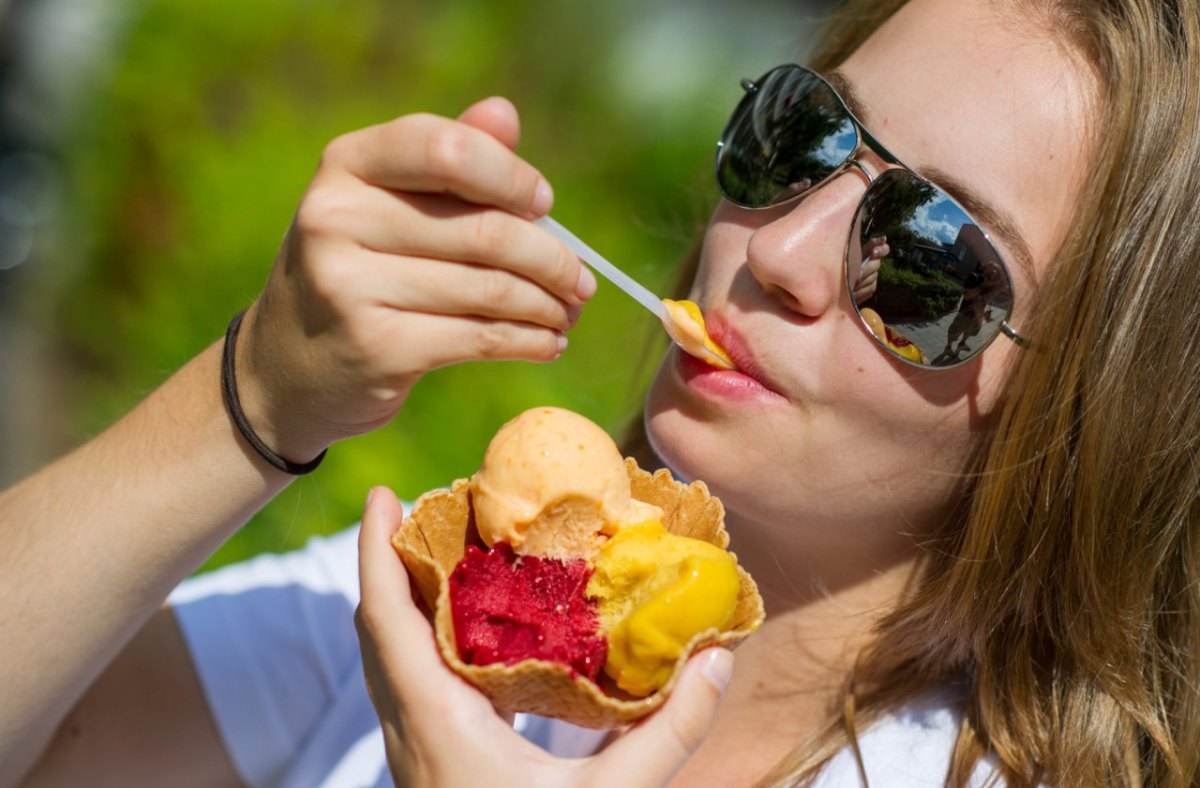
(427, 153)
(496, 116)
(658, 747)
(869, 269)
(460, 289)
(388, 620)
(448, 340)
(441, 228)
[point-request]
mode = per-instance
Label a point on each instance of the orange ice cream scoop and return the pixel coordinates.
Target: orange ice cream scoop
(553, 484)
(656, 592)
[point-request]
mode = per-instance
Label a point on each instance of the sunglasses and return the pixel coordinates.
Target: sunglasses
(929, 285)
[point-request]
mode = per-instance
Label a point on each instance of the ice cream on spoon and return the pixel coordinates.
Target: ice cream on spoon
(682, 319)
(687, 328)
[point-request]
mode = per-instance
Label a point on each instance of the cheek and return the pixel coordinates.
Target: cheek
(725, 242)
(875, 453)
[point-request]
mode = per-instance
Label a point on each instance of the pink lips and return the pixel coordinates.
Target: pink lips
(747, 383)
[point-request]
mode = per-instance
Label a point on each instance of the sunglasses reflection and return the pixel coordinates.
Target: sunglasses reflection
(934, 304)
(981, 289)
(874, 252)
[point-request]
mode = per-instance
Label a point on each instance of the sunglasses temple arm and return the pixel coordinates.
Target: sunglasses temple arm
(603, 267)
(1008, 331)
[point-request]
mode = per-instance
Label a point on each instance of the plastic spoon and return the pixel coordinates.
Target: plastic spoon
(682, 319)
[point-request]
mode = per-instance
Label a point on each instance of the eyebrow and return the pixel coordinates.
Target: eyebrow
(982, 210)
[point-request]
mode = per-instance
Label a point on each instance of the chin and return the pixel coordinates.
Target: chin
(698, 450)
(695, 445)
(673, 433)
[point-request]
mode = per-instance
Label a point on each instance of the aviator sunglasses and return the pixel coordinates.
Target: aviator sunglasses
(928, 283)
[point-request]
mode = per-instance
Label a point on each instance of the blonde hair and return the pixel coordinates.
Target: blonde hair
(1068, 596)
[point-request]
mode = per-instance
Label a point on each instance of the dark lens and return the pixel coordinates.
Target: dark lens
(787, 134)
(924, 277)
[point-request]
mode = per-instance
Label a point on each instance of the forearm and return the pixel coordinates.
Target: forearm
(95, 542)
(391, 268)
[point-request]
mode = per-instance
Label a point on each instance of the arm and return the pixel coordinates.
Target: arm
(143, 722)
(98, 539)
(410, 250)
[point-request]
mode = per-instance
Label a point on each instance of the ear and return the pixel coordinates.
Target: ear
(497, 116)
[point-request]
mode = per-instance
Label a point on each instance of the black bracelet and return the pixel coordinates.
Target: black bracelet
(234, 405)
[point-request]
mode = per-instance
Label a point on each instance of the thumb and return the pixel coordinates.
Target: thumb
(659, 746)
(498, 117)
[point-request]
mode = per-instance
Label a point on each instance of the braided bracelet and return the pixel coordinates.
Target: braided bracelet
(234, 405)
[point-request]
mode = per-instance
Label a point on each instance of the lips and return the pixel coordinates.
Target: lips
(746, 385)
(725, 335)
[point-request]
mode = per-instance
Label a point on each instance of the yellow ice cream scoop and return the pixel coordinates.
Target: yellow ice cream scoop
(688, 330)
(893, 339)
(656, 591)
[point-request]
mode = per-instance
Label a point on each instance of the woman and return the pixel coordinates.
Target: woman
(986, 569)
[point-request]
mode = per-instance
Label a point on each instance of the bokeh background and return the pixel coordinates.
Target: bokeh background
(152, 153)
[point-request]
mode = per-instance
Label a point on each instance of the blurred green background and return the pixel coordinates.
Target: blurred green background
(174, 149)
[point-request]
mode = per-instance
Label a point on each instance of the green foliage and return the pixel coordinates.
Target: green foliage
(906, 296)
(199, 140)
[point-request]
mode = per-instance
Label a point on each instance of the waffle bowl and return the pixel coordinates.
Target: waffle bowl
(433, 538)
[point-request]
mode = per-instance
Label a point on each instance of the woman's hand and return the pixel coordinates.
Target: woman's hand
(412, 249)
(439, 731)
(873, 252)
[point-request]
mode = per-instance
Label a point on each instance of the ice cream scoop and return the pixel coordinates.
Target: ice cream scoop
(890, 337)
(552, 483)
(656, 592)
(689, 332)
(508, 609)
(681, 319)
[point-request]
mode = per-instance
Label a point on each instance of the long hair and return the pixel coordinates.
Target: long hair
(1068, 597)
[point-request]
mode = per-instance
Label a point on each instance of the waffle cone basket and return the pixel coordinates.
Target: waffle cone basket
(432, 539)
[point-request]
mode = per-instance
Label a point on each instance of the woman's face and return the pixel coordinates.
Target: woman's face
(828, 436)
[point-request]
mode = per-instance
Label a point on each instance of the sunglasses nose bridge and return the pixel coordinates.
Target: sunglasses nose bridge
(854, 164)
(866, 160)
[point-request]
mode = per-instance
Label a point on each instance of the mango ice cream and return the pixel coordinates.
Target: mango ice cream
(656, 592)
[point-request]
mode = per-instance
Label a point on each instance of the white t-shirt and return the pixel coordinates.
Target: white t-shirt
(274, 644)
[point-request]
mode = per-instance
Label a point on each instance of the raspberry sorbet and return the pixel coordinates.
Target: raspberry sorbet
(508, 608)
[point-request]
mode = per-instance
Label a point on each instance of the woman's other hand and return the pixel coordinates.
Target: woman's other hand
(438, 730)
(874, 250)
(411, 249)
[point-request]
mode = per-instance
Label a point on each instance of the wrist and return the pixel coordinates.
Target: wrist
(255, 411)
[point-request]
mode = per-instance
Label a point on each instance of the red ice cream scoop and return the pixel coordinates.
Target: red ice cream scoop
(509, 608)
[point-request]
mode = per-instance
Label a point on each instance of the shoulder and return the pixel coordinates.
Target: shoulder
(909, 747)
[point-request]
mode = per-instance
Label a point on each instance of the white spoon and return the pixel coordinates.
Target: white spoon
(681, 319)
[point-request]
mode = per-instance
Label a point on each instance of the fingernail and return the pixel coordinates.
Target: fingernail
(585, 286)
(573, 313)
(370, 495)
(543, 197)
(562, 343)
(718, 667)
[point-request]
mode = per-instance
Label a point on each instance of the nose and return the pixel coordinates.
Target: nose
(797, 253)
